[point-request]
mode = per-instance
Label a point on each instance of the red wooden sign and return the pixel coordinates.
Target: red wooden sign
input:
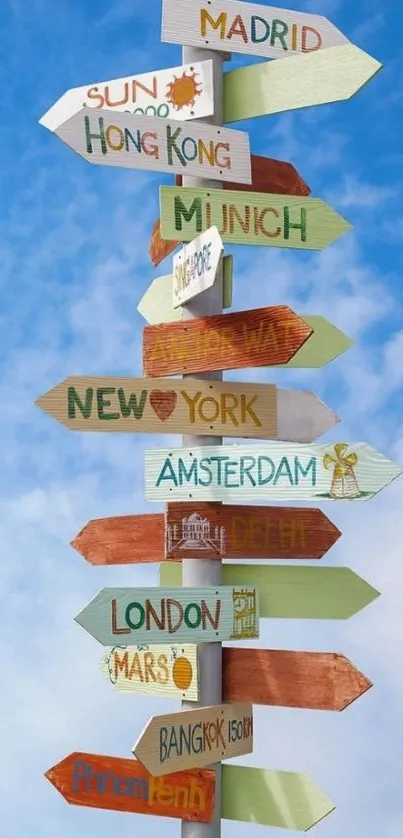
(123, 539)
(159, 248)
(105, 782)
(259, 337)
(272, 176)
(311, 680)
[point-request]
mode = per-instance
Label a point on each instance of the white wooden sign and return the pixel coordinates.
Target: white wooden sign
(195, 266)
(159, 145)
(163, 671)
(183, 92)
(227, 25)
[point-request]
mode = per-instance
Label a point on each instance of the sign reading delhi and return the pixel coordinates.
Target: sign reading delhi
(152, 615)
(185, 91)
(164, 671)
(246, 28)
(349, 471)
(195, 266)
(179, 741)
(160, 145)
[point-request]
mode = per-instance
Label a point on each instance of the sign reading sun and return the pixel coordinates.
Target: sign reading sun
(183, 90)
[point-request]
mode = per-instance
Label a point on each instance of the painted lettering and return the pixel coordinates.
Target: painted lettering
(257, 30)
(247, 470)
(73, 400)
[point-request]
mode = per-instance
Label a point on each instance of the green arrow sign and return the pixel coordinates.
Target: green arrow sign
(328, 75)
(272, 798)
(325, 344)
(312, 593)
(251, 218)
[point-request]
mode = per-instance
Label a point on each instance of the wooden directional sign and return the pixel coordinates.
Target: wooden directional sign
(163, 671)
(179, 741)
(311, 680)
(159, 248)
(330, 75)
(275, 471)
(124, 785)
(246, 28)
(191, 615)
(229, 532)
(272, 798)
(268, 175)
(160, 145)
(325, 344)
(195, 267)
(218, 531)
(156, 305)
(250, 218)
(302, 593)
(184, 92)
(262, 336)
(138, 405)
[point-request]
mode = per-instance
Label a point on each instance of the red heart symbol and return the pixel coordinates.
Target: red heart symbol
(163, 403)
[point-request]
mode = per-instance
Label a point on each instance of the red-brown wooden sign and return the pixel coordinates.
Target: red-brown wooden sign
(159, 248)
(122, 539)
(273, 176)
(124, 785)
(259, 337)
(311, 680)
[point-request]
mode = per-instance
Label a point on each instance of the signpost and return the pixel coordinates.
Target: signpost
(268, 175)
(186, 615)
(246, 28)
(253, 338)
(250, 218)
(179, 741)
(195, 266)
(163, 671)
(331, 75)
(156, 304)
(124, 785)
(184, 92)
(308, 680)
(123, 539)
(157, 145)
(301, 593)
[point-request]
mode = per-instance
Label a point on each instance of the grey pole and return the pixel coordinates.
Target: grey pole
(202, 572)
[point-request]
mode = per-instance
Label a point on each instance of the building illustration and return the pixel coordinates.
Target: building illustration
(195, 534)
(245, 614)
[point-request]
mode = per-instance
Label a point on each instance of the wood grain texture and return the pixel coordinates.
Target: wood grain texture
(121, 539)
(272, 798)
(158, 248)
(246, 28)
(302, 81)
(262, 336)
(303, 593)
(250, 218)
(156, 305)
(153, 144)
(274, 176)
(131, 616)
(214, 530)
(179, 741)
(124, 785)
(166, 671)
(310, 680)
(271, 471)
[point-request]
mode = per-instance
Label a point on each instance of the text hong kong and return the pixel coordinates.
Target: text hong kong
(247, 470)
(201, 737)
(173, 145)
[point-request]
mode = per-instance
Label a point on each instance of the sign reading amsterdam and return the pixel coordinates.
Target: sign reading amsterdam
(160, 145)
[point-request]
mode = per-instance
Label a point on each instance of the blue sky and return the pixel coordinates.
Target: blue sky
(74, 264)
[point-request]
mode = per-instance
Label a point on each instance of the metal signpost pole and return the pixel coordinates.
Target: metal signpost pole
(203, 572)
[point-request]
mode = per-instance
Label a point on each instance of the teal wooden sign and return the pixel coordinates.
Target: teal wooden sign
(130, 616)
(276, 471)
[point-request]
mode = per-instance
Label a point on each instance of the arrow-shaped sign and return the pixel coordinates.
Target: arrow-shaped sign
(311, 593)
(156, 305)
(273, 471)
(178, 741)
(330, 75)
(310, 680)
(243, 339)
(165, 671)
(195, 267)
(124, 785)
(261, 532)
(246, 28)
(250, 218)
(159, 248)
(325, 344)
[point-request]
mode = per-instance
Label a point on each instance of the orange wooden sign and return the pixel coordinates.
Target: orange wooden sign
(123, 539)
(273, 176)
(124, 785)
(159, 248)
(260, 337)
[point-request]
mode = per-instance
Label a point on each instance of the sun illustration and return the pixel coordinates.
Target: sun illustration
(182, 673)
(182, 91)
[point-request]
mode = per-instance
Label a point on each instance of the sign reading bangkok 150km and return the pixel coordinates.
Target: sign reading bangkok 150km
(160, 145)
(195, 267)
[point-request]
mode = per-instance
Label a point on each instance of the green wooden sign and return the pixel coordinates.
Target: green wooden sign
(312, 593)
(251, 218)
(129, 616)
(325, 344)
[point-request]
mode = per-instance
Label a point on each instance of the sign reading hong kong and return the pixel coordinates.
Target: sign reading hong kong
(161, 145)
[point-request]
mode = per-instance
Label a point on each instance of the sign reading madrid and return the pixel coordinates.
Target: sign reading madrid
(160, 145)
(195, 266)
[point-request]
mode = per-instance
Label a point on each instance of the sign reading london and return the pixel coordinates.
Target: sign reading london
(160, 145)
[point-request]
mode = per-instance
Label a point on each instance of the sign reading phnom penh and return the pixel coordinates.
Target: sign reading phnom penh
(161, 145)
